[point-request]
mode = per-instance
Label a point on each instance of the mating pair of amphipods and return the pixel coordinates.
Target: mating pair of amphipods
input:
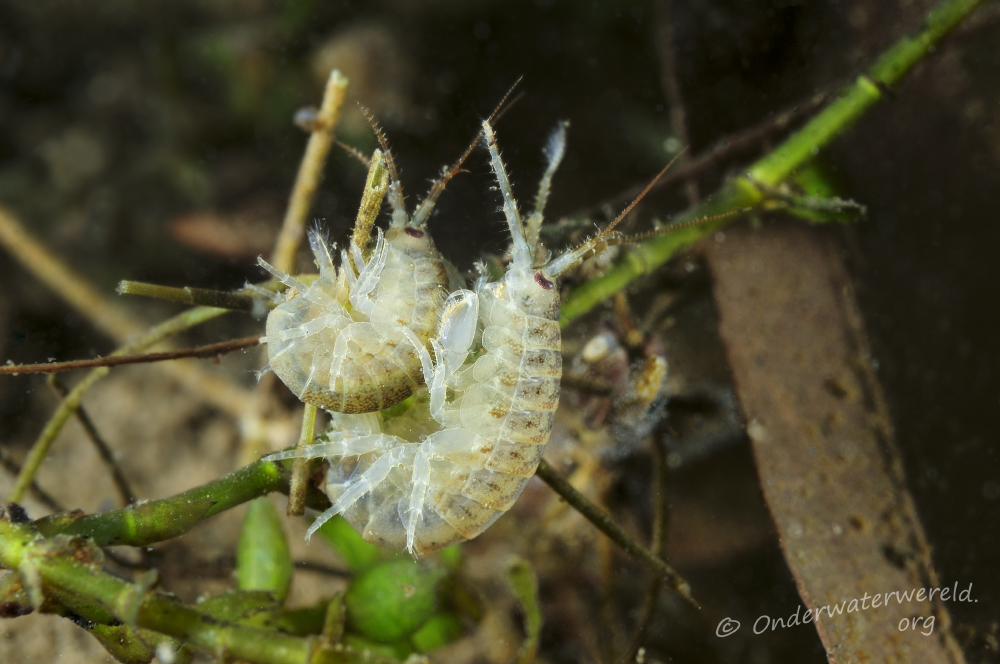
(485, 365)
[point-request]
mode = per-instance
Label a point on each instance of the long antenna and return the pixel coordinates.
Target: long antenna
(425, 206)
(624, 213)
(639, 237)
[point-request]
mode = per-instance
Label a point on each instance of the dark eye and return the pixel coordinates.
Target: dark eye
(413, 232)
(542, 281)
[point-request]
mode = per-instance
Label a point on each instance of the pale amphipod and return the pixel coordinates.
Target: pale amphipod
(454, 463)
(350, 340)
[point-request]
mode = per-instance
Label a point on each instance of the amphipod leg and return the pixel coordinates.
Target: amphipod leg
(367, 482)
(421, 479)
(341, 448)
(456, 333)
(368, 278)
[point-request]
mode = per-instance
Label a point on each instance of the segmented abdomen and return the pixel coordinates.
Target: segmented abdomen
(485, 451)
(333, 356)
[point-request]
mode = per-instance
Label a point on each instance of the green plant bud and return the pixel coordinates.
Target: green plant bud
(390, 601)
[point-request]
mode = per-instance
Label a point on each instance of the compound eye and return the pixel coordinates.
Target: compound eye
(413, 232)
(542, 281)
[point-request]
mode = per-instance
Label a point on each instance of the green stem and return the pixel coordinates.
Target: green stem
(52, 563)
(71, 403)
(773, 168)
(145, 523)
(241, 300)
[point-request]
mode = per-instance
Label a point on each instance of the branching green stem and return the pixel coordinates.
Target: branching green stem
(772, 169)
(50, 566)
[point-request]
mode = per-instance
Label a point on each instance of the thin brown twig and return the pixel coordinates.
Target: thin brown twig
(299, 483)
(42, 444)
(76, 291)
(320, 568)
(715, 154)
(207, 351)
(670, 81)
(658, 546)
(41, 494)
(68, 284)
(603, 522)
(121, 482)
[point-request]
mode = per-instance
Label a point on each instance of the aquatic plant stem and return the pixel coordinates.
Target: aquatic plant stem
(54, 567)
(142, 524)
(300, 466)
(71, 402)
(744, 191)
(310, 173)
(603, 522)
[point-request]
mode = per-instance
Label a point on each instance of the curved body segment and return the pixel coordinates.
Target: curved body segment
(348, 342)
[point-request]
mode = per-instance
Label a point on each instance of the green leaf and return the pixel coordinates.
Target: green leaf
(263, 561)
(523, 583)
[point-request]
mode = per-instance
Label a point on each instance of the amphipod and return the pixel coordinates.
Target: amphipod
(448, 468)
(349, 341)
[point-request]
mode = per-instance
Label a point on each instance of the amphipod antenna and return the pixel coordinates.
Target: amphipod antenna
(555, 150)
(424, 208)
(574, 257)
(395, 191)
(520, 251)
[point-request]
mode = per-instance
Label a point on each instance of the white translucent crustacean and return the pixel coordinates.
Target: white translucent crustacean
(454, 463)
(349, 342)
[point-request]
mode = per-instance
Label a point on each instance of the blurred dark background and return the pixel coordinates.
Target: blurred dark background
(154, 141)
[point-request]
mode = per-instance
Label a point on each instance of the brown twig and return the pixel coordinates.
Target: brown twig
(42, 444)
(299, 483)
(72, 287)
(121, 483)
(75, 290)
(209, 350)
(670, 81)
(658, 546)
(43, 496)
(603, 522)
(320, 568)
